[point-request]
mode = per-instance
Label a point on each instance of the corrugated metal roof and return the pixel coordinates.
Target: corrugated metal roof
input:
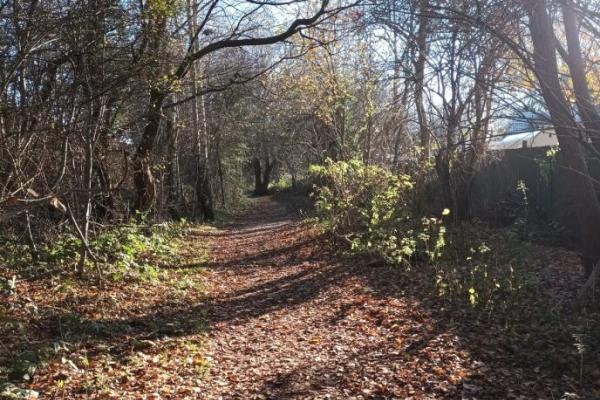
(545, 138)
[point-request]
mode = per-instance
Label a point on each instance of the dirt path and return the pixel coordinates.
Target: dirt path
(290, 322)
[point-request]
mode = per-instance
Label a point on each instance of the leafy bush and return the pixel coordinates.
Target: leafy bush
(369, 207)
(488, 270)
(283, 183)
(13, 251)
(126, 250)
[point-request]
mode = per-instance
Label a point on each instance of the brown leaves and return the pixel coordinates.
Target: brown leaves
(287, 321)
(305, 328)
(12, 201)
(125, 342)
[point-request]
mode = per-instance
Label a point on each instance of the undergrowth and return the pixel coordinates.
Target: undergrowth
(54, 320)
(369, 209)
(479, 274)
(127, 251)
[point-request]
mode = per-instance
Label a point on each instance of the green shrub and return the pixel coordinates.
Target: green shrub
(125, 250)
(283, 183)
(14, 253)
(492, 270)
(64, 249)
(369, 207)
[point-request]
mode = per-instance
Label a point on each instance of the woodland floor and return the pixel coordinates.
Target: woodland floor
(291, 320)
(276, 314)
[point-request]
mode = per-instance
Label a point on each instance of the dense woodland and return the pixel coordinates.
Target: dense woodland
(153, 152)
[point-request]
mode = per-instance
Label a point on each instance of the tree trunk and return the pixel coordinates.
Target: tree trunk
(257, 176)
(104, 202)
(204, 194)
(174, 200)
(482, 100)
(580, 187)
(399, 130)
(422, 50)
(87, 181)
(220, 168)
(202, 184)
(143, 178)
(262, 178)
(583, 97)
(206, 197)
(442, 167)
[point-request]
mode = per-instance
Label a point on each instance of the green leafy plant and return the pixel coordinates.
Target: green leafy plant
(129, 250)
(283, 183)
(488, 270)
(368, 207)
